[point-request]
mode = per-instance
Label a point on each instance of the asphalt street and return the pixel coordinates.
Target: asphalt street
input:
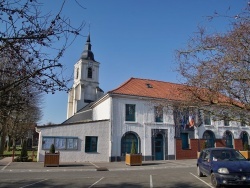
(170, 173)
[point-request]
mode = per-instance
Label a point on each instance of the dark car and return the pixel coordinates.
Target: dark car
(225, 166)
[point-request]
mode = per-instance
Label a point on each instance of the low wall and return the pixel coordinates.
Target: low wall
(195, 146)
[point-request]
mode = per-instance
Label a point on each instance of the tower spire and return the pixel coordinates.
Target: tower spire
(87, 54)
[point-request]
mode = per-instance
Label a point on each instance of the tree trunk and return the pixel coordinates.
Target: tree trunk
(9, 144)
(2, 143)
(3, 136)
(14, 144)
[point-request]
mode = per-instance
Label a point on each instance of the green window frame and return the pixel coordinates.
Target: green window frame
(126, 143)
(207, 118)
(229, 139)
(226, 122)
(91, 143)
(60, 142)
(158, 114)
(130, 112)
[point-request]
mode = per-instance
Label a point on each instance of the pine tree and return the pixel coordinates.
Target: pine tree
(52, 148)
(133, 149)
(24, 152)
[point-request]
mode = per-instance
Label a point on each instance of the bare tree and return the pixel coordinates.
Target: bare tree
(20, 113)
(31, 45)
(217, 68)
(28, 38)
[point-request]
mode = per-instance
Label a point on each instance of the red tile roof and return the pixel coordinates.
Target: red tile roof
(171, 91)
(151, 88)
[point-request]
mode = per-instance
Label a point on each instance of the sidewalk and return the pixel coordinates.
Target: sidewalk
(6, 165)
(6, 159)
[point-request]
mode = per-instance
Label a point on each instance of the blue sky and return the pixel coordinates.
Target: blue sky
(133, 38)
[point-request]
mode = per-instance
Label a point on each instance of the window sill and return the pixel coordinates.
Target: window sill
(155, 123)
(159, 123)
(91, 152)
(131, 122)
(244, 127)
(208, 125)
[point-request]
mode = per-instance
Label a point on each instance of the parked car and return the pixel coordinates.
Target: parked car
(225, 166)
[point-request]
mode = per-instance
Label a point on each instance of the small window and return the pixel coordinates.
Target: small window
(158, 114)
(91, 144)
(149, 86)
(207, 155)
(130, 112)
(202, 155)
(242, 122)
(226, 119)
(207, 118)
(226, 122)
(77, 73)
(89, 72)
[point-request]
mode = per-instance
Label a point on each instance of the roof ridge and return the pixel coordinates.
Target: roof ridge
(124, 83)
(162, 81)
(145, 79)
(161, 89)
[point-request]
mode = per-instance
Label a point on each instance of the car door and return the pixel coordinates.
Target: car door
(206, 163)
(201, 160)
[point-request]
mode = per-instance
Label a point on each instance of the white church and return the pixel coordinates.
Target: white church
(101, 126)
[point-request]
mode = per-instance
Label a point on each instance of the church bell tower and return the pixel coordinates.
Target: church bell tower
(85, 88)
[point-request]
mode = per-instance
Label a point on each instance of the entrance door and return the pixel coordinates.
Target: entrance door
(158, 144)
(245, 139)
(229, 140)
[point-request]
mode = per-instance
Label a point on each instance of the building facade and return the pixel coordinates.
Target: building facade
(102, 127)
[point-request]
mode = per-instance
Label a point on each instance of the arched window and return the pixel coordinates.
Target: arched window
(126, 143)
(89, 72)
(210, 138)
(244, 137)
(228, 139)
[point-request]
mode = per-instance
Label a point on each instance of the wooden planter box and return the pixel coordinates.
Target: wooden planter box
(246, 154)
(51, 159)
(133, 159)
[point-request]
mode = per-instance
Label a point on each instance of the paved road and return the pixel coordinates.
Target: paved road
(151, 174)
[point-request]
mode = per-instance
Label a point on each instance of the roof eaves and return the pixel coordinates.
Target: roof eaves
(74, 123)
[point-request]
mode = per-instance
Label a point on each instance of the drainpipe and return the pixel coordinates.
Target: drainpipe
(111, 129)
(39, 144)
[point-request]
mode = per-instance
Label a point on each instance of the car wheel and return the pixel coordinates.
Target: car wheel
(214, 181)
(200, 174)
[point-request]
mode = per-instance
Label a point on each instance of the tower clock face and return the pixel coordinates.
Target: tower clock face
(90, 64)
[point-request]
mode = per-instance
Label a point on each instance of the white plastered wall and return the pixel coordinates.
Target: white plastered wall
(142, 126)
(98, 128)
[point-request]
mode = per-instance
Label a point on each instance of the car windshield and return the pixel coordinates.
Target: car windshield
(227, 155)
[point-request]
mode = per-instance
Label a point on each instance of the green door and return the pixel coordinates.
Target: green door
(158, 145)
(229, 140)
